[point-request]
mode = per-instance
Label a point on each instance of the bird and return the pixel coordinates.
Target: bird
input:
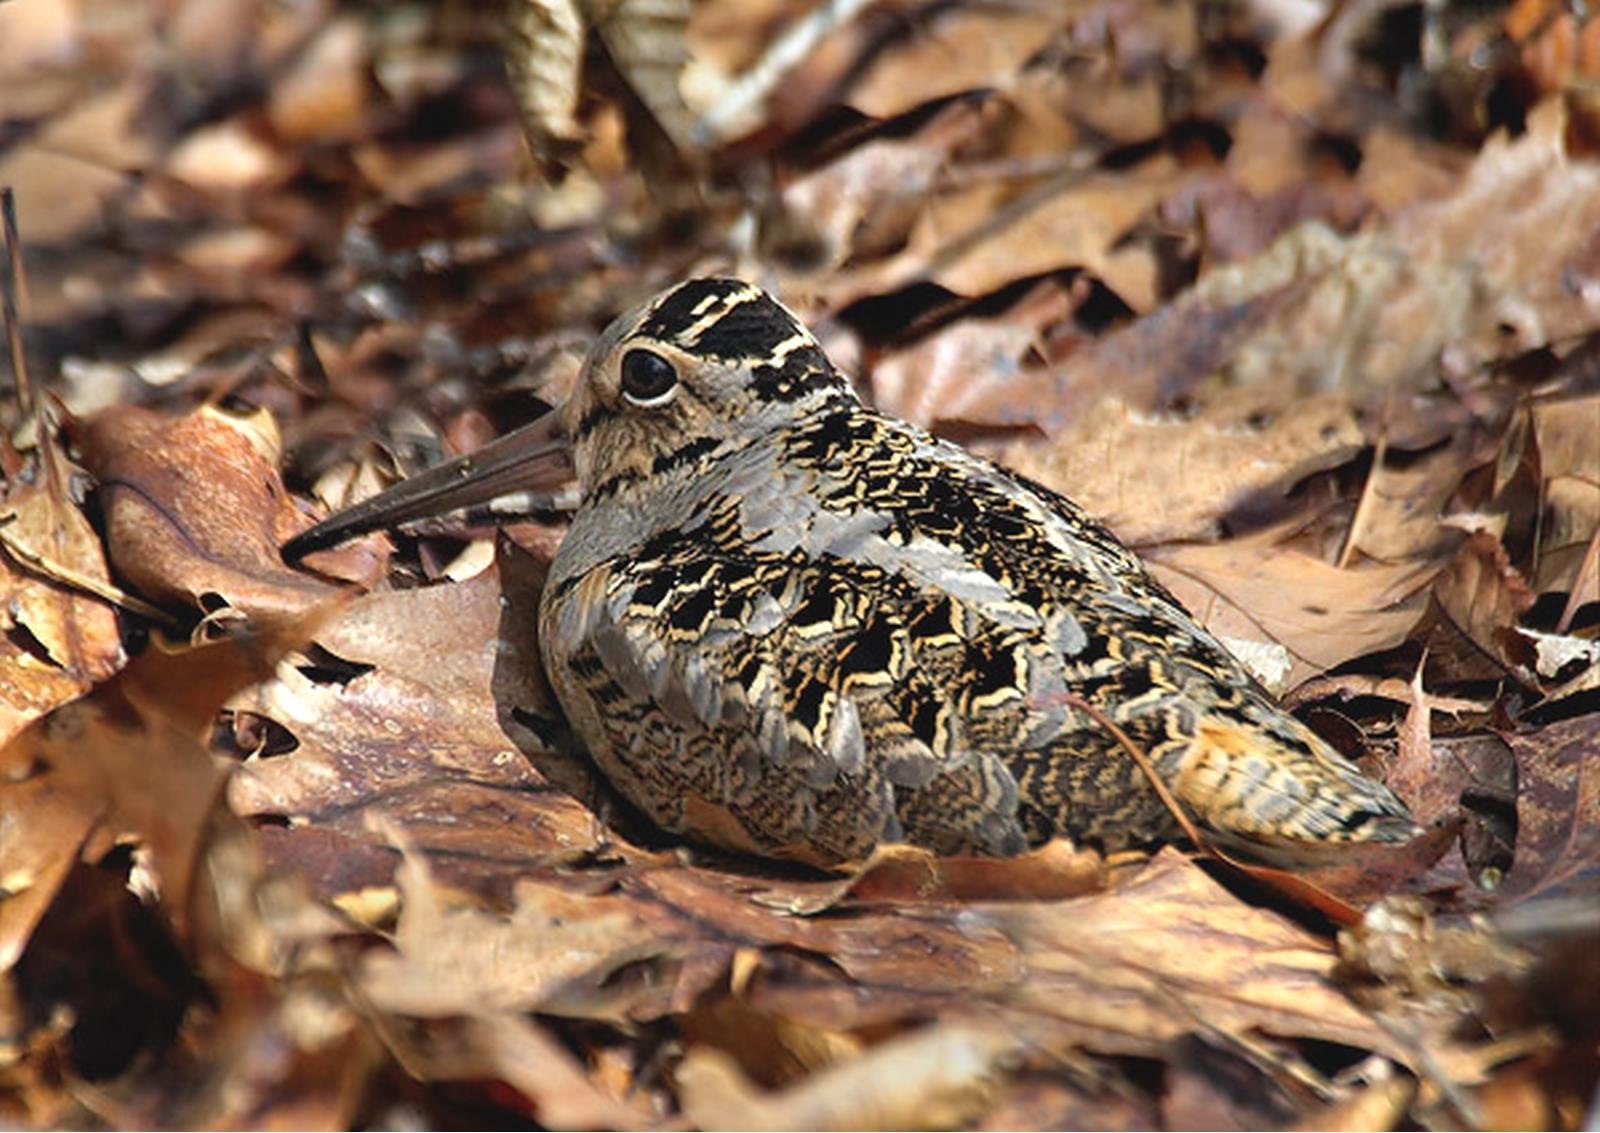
(788, 625)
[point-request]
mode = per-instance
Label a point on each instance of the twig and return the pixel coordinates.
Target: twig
(65, 576)
(10, 291)
(1364, 506)
(1290, 885)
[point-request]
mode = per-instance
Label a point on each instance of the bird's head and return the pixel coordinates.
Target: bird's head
(702, 367)
(705, 365)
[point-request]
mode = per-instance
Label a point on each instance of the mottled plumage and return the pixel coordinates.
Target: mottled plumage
(786, 624)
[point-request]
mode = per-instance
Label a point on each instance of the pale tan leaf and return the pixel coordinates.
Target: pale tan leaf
(544, 55)
(552, 948)
(1156, 478)
(645, 39)
(958, 49)
(1322, 615)
(941, 1077)
(1569, 460)
(325, 96)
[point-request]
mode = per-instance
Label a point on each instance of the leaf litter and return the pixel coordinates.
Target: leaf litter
(1323, 355)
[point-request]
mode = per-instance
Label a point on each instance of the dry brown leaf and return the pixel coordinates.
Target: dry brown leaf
(72, 771)
(1398, 169)
(957, 49)
(1403, 504)
(544, 53)
(104, 129)
(1250, 590)
(645, 39)
(865, 203)
(59, 196)
(33, 34)
(502, 1047)
(44, 825)
(228, 157)
(1153, 958)
(1569, 461)
(1075, 225)
(552, 952)
(959, 372)
(1210, 1086)
(1484, 596)
(325, 95)
(59, 641)
(195, 511)
(1159, 478)
(1379, 1106)
(772, 1050)
(1471, 277)
(1558, 811)
(422, 737)
(941, 1077)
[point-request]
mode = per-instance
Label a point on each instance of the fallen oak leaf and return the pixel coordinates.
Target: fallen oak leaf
(1250, 588)
(195, 510)
(391, 713)
(550, 953)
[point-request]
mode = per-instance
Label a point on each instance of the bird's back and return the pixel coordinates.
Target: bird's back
(848, 631)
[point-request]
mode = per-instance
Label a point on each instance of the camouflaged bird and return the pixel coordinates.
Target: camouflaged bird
(788, 625)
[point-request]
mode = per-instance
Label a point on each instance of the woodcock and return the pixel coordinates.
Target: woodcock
(786, 624)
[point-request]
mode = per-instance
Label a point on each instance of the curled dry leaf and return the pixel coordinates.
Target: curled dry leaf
(1249, 589)
(941, 1077)
(552, 952)
(645, 39)
(1484, 596)
(195, 511)
(544, 53)
(1158, 478)
(59, 641)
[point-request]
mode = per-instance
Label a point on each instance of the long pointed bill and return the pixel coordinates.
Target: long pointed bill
(533, 458)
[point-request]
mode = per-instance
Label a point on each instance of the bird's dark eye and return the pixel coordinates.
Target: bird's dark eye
(647, 378)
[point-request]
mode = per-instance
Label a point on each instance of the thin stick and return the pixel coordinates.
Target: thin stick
(1163, 792)
(10, 293)
(1335, 908)
(83, 583)
(1364, 506)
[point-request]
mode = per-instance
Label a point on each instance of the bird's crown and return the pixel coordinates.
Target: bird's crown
(704, 365)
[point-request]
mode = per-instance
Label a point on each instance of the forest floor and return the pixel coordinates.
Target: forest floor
(1303, 299)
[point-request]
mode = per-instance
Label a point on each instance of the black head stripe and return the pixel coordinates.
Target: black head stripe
(686, 304)
(752, 329)
(729, 320)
